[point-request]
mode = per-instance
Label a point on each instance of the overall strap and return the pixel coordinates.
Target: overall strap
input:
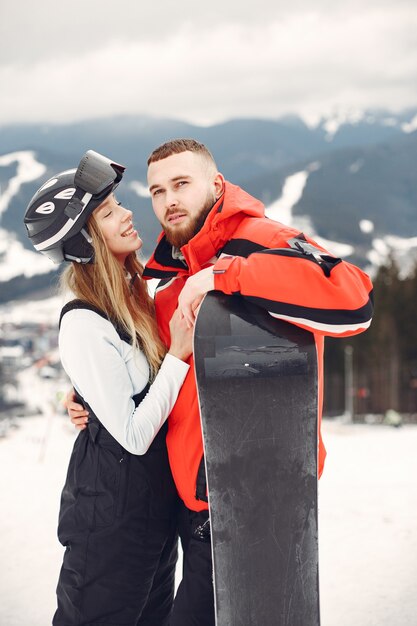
(82, 304)
(94, 424)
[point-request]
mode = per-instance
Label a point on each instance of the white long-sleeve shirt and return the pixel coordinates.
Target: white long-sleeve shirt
(106, 373)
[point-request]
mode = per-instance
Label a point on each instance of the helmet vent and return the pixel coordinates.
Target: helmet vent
(46, 208)
(65, 194)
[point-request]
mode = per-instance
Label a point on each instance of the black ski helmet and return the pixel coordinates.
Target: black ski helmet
(56, 217)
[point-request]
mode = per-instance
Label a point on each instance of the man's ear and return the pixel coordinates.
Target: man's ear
(218, 183)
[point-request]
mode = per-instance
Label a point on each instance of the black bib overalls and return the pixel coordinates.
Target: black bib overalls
(118, 523)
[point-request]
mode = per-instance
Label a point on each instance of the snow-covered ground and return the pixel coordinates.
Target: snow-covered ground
(28, 169)
(368, 521)
(44, 311)
(15, 260)
(403, 249)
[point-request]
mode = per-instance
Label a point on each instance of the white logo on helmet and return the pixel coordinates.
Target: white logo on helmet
(49, 183)
(65, 194)
(46, 208)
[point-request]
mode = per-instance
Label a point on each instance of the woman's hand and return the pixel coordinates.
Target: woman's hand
(181, 336)
(77, 413)
(193, 292)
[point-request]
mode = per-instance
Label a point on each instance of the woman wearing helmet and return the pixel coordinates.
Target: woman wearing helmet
(118, 507)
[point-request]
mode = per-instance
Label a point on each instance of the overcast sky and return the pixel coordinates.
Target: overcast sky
(204, 62)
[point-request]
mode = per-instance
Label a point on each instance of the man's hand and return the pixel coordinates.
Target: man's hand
(193, 292)
(77, 413)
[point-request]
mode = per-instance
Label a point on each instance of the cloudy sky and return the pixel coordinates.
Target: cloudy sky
(204, 62)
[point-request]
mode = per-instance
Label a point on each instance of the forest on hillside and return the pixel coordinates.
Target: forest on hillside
(383, 360)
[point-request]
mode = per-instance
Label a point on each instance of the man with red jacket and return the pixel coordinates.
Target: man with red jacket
(216, 236)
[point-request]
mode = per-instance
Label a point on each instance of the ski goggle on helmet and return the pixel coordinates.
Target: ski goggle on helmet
(57, 215)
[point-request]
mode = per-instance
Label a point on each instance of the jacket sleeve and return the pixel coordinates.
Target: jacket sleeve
(302, 284)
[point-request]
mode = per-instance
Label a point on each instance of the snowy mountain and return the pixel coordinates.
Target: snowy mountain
(348, 179)
(357, 127)
(363, 197)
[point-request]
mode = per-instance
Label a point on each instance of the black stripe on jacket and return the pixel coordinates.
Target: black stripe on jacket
(330, 317)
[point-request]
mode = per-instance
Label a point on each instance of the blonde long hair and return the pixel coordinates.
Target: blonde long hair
(103, 284)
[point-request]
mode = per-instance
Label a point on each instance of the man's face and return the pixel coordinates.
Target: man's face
(183, 188)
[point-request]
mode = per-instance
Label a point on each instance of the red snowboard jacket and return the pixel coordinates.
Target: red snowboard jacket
(275, 267)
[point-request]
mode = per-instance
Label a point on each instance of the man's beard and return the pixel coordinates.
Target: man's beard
(178, 237)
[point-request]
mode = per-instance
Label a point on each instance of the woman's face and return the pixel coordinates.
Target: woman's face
(115, 223)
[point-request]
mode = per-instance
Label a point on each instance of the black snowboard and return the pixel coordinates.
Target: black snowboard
(257, 387)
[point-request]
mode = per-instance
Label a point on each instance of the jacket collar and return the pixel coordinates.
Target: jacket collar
(225, 216)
